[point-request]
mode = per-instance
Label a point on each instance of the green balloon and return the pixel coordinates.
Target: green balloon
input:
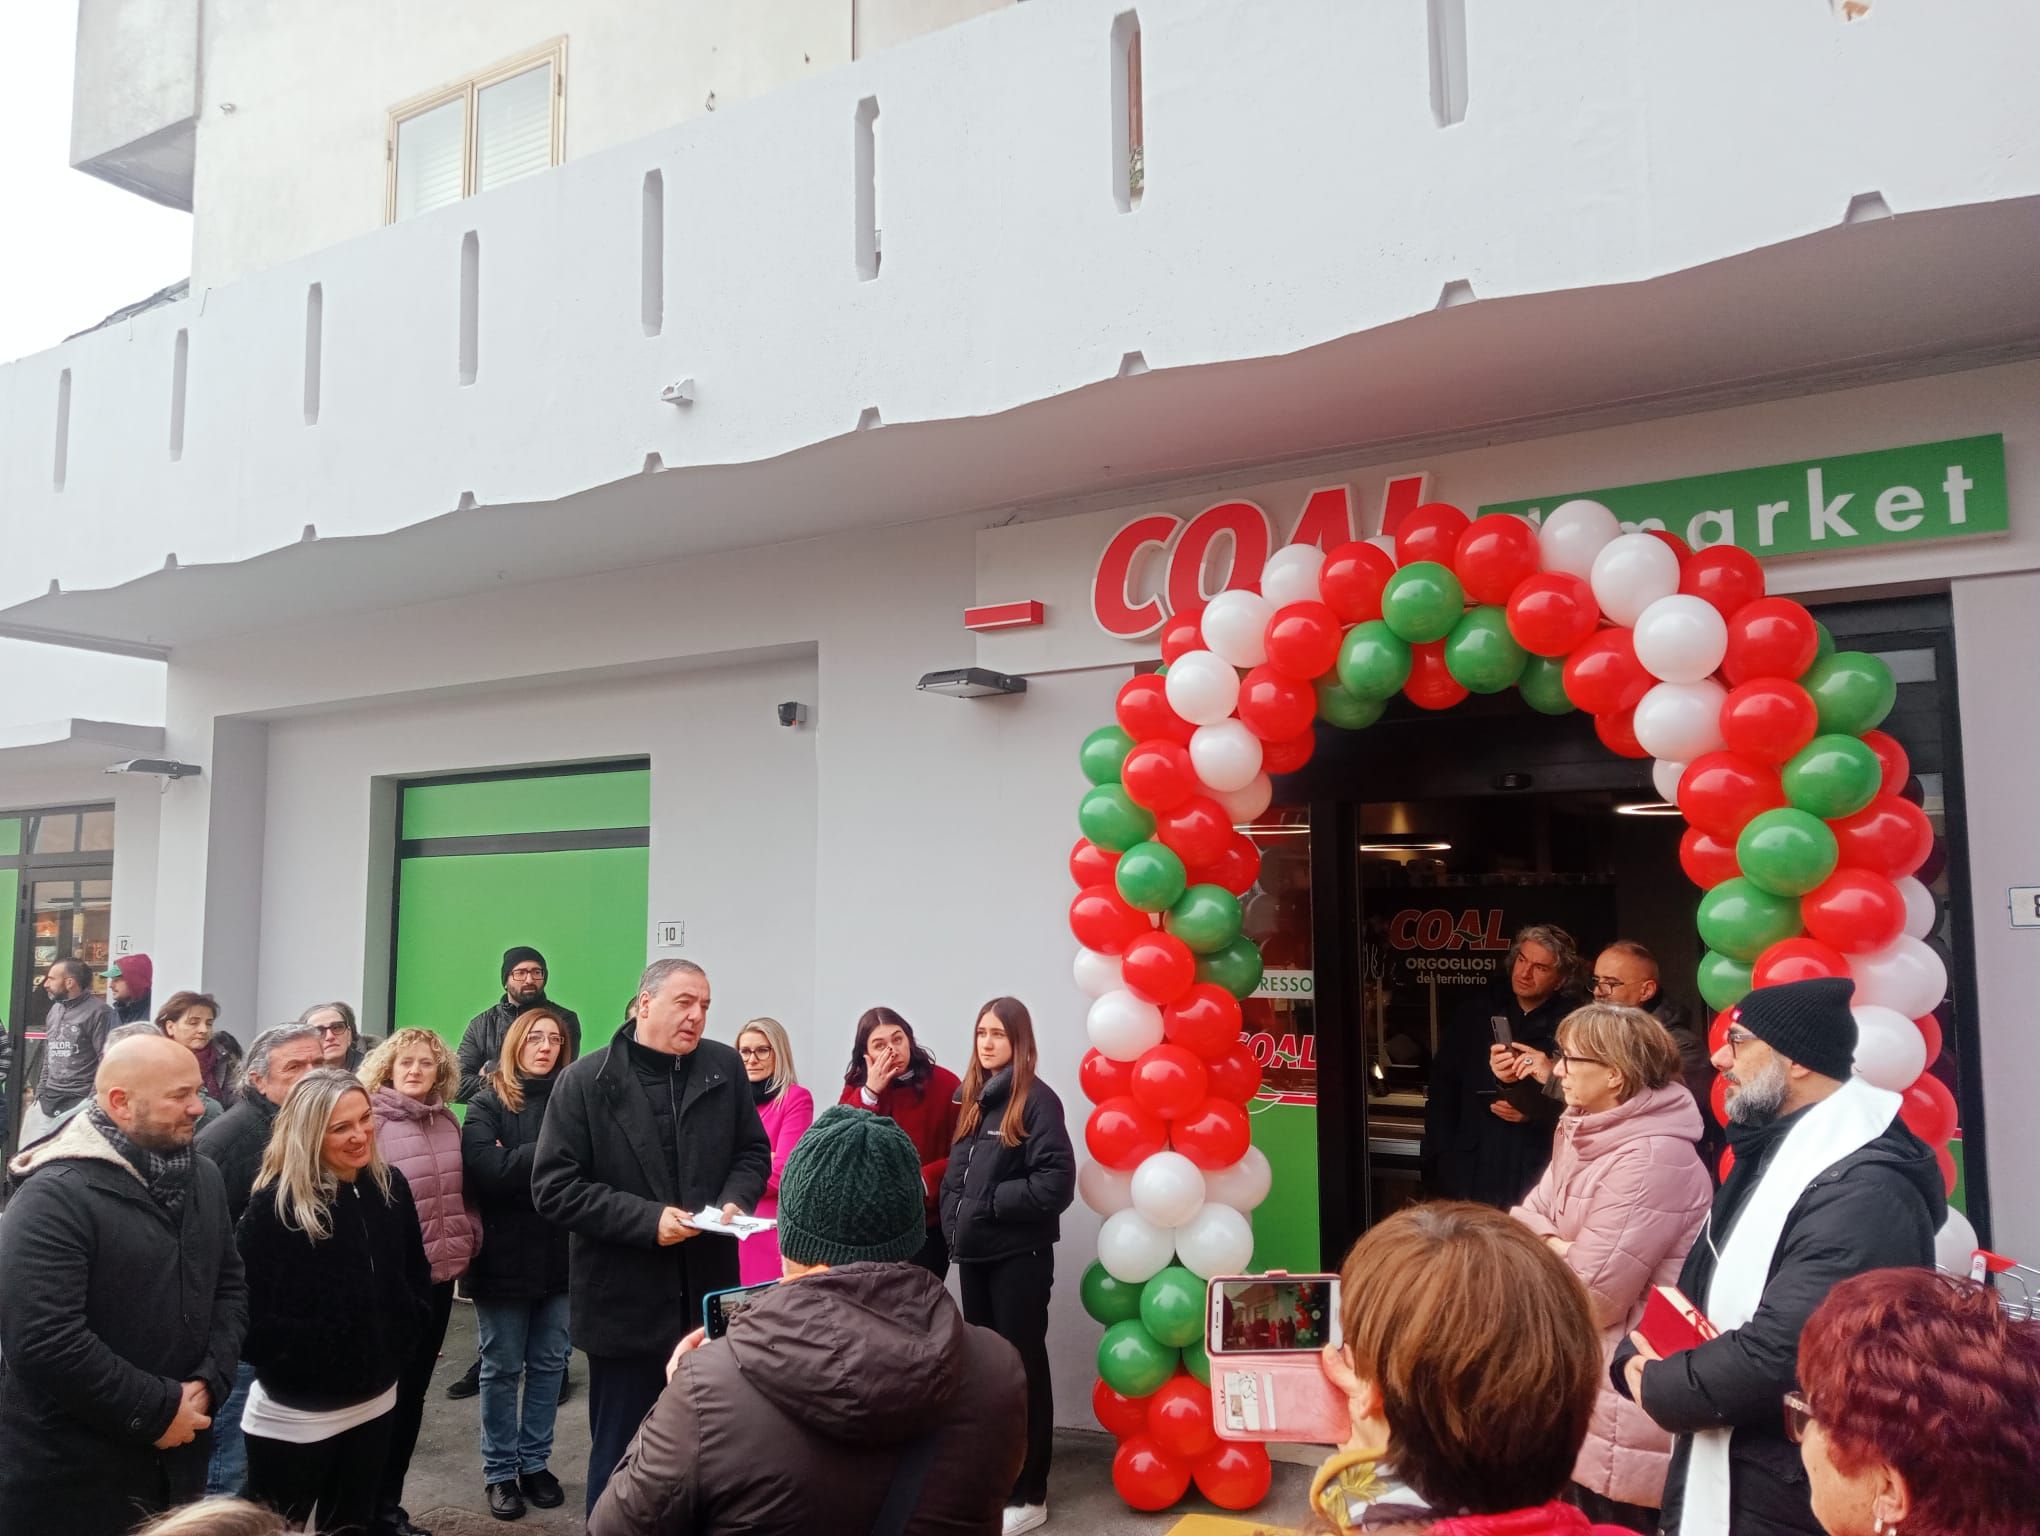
(1111, 819)
(1852, 690)
(1422, 602)
(1172, 1307)
(1132, 1361)
(1832, 776)
(1374, 661)
(1347, 711)
(1542, 685)
(1481, 654)
(1786, 852)
(1740, 919)
(1205, 917)
(1102, 753)
(1823, 641)
(1150, 876)
(1237, 967)
(1723, 982)
(1108, 1298)
(1197, 1362)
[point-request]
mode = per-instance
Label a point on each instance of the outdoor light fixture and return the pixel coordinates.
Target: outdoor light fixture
(1407, 845)
(1647, 808)
(158, 768)
(971, 683)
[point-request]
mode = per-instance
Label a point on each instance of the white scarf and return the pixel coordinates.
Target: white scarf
(1843, 1123)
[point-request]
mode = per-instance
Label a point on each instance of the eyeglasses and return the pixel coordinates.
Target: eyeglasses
(1583, 1061)
(535, 1038)
(1798, 1415)
(754, 1052)
(528, 973)
(332, 1029)
(1738, 1038)
(1608, 983)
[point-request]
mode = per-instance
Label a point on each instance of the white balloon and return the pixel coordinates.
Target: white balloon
(1202, 687)
(1680, 721)
(1226, 755)
(1291, 575)
(1632, 571)
(1920, 913)
(1244, 1185)
(1105, 1190)
(1122, 1025)
(1572, 534)
(1097, 974)
(1235, 626)
(1681, 638)
(1955, 1244)
(1132, 1248)
(1905, 976)
(1890, 1050)
(1246, 804)
(1218, 1240)
(1666, 777)
(1385, 542)
(1168, 1188)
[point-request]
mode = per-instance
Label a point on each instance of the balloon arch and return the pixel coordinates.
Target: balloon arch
(1799, 834)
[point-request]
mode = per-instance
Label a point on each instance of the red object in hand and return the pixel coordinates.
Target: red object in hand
(1671, 1323)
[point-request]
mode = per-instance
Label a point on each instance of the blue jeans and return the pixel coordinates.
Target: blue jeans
(228, 1473)
(527, 1340)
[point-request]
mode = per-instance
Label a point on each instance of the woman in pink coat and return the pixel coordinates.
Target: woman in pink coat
(787, 1110)
(1622, 1200)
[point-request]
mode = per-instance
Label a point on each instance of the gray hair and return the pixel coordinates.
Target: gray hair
(658, 971)
(129, 1031)
(1564, 951)
(258, 1050)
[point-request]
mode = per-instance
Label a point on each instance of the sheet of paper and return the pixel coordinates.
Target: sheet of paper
(739, 1226)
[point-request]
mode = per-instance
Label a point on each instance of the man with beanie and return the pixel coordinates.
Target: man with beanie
(524, 978)
(128, 981)
(1828, 1182)
(850, 1397)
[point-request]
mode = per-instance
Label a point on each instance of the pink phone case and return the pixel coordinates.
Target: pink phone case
(1271, 1395)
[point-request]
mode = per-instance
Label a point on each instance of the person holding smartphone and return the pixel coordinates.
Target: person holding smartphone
(892, 1074)
(1011, 1175)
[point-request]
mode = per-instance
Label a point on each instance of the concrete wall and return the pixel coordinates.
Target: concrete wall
(135, 95)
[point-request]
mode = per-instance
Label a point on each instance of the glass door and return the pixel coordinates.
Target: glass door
(68, 914)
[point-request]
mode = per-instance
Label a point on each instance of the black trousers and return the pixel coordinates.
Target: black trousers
(405, 1418)
(339, 1476)
(621, 1391)
(1010, 1297)
(1602, 1510)
(934, 1254)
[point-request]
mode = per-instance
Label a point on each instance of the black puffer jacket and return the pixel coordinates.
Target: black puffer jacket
(999, 1200)
(481, 1044)
(235, 1142)
(523, 1256)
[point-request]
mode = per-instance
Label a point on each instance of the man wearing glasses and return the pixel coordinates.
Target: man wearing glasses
(1627, 973)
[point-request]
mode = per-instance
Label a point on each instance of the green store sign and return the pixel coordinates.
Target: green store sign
(1819, 506)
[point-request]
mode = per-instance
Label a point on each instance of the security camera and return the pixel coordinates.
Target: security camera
(791, 714)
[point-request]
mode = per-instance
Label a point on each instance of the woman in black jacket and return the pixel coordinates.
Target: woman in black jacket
(338, 1291)
(1011, 1175)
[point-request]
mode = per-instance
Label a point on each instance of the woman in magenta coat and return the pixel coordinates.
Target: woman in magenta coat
(787, 1110)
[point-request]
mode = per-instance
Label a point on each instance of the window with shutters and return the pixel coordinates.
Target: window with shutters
(465, 138)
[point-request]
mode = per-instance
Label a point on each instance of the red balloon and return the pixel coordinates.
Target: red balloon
(1122, 1133)
(1234, 1075)
(1169, 1081)
(1303, 640)
(1431, 532)
(1159, 967)
(1144, 714)
(1897, 766)
(1275, 706)
(1102, 1078)
(1179, 1418)
(1182, 635)
(1930, 1030)
(1122, 1416)
(1552, 612)
(1351, 580)
(1618, 733)
(1206, 1019)
(1197, 830)
(1889, 835)
(1707, 859)
(1158, 774)
(1717, 1032)
(1797, 960)
(1145, 1476)
(1717, 1099)
(1603, 676)
(1494, 556)
(1725, 576)
(1212, 1134)
(1431, 684)
(1854, 911)
(1102, 920)
(1279, 757)
(1768, 719)
(1950, 1174)
(1769, 637)
(1721, 791)
(1236, 1475)
(1237, 868)
(1674, 543)
(1727, 1162)
(1928, 1109)
(1092, 865)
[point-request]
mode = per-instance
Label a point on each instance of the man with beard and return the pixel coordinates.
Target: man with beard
(1827, 1183)
(524, 978)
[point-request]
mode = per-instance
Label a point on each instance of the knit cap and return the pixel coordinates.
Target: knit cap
(520, 954)
(851, 1192)
(1807, 1021)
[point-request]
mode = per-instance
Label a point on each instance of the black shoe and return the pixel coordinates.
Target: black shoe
(468, 1383)
(403, 1526)
(505, 1502)
(543, 1489)
(566, 1386)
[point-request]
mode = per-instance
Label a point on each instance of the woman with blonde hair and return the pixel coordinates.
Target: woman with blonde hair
(338, 1295)
(787, 1110)
(411, 1078)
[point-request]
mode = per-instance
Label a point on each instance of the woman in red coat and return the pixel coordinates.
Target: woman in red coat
(893, 1076)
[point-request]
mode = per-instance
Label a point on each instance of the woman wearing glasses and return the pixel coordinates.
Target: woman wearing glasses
(340, 1042)
(1621, 1202)
(787, 1110)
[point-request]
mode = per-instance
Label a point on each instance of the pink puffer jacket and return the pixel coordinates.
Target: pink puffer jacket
(422, 1140)
(1626, 1188)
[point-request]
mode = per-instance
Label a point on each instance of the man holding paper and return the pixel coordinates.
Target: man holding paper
(641, 1137)
(1827, 1183)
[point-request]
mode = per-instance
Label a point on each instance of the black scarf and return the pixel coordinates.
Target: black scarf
(167, 1174)
(763, 1093)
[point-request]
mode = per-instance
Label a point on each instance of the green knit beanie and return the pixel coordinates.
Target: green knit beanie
(851, 1192)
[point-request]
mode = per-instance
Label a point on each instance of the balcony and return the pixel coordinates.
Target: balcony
(134, 106)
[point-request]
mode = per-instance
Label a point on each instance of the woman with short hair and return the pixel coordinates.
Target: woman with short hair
(787, 1110)
(340, 1040)
(192, 1020)
(892, 1074)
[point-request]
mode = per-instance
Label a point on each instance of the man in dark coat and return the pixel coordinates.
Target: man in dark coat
(481, 1044)
(1828, 1182)
(642, 1136)
(124, 1305)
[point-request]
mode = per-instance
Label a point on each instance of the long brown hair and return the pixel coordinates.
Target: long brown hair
(504, 1076)
(1019, 1026)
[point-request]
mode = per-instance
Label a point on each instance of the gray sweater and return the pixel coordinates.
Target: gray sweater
(74, 1038)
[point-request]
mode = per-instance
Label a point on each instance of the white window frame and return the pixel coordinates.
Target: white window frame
(468, 92)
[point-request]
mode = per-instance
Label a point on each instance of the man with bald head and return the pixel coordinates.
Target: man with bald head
(124, 1304)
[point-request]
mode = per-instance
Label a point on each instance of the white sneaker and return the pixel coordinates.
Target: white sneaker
(1025, 1517)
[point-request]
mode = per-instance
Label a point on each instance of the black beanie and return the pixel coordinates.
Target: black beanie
(851, 1192)
(516, 955)
(1806, 1021)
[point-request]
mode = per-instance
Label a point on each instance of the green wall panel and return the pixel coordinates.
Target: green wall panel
(1286, 1225)
(10, 834)
(10, 895)
(568, 802)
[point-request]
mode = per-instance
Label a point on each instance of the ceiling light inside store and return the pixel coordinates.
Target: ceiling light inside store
(1406, 845)
(1647, 808)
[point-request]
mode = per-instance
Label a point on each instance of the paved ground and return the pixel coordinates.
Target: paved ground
(445, 1490)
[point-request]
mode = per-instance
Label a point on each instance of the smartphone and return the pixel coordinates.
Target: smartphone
(718, 1307)
(1274, 1314)
(1264, 1336)
(1499, 1023)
